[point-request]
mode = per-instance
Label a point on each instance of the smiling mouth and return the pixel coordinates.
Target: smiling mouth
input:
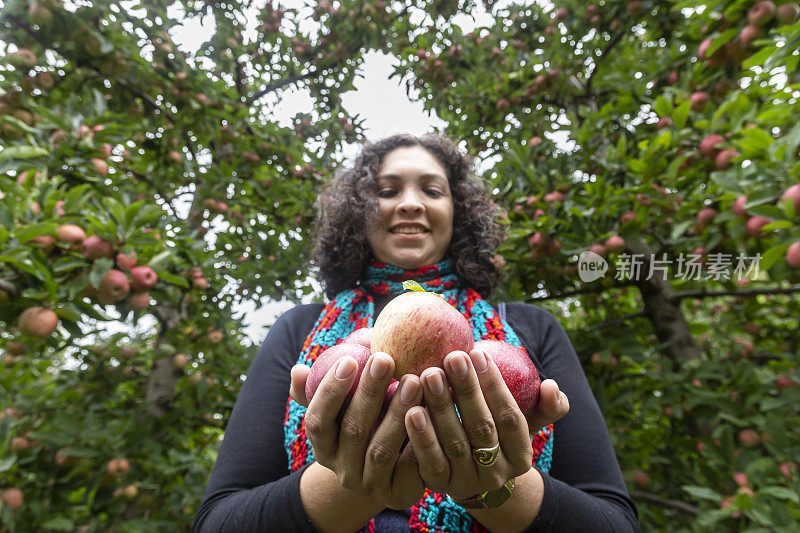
(409, 231)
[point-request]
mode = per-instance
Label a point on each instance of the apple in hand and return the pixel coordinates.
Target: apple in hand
(328, 359)
(362, 336)
(518, 372)
(418, 329)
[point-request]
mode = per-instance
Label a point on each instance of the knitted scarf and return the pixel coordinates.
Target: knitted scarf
(353, 309)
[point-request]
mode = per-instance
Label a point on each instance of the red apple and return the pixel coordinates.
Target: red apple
(117, 467)
(749, 34)
(793, 255)
(793, 193)
(38, 322)
(703, 48)
(362, 336)
(738, 206)
(138, 301)
(180, 361)
(537, 240)
(599, 249)
(787, 13)
(699, 100)
(641, 478)
(615, 243)
(100, 166)
(45, 242)
(628, 216)
(749, 438)
(534, 142)
(784, 382)
(673, 78)
(518, 372)
(114, 286)
(724, 157)
(143, 278)
(327, 359)
(663, 122)
(175, 156)
(705, 216)
(708, 146)
(96, 248)
(754, 226)
(200, 283)
(787, 468)
(418, 329)
(761, 13)
(126, 262)
(13, 498)
(71, 234)
(555, 196)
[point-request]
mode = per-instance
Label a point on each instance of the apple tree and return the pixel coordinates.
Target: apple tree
(147, 190)
(663, 137)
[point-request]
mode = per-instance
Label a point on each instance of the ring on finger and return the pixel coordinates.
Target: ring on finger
(486, 456)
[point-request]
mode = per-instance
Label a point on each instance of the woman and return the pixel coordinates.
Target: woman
(410, 209)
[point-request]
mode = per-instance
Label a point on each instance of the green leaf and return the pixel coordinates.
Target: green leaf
(31, 231)
(7, 462)
(781, 493)
(702, 493)
(767, 211)
(720, 40)
(173, 279)
(759, 57)
(681, 113)
(160, 261)
(22, 152)
(663, 107)
(754, 142)
(99, 269)
(59, 523)
(680, 228)
(772, 255)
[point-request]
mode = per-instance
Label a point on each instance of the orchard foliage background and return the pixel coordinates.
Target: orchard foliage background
(144, 185)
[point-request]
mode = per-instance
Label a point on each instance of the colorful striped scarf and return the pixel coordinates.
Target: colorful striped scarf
(353, 309)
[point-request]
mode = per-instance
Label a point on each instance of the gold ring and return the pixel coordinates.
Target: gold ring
(486, 456)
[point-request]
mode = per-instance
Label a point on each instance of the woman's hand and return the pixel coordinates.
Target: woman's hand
(490, 416)
(370, 462)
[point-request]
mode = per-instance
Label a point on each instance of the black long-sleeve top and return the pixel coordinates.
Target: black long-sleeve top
(252, 489)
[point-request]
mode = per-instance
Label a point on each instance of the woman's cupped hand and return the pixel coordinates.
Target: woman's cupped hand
(467, 407)
(367, 458)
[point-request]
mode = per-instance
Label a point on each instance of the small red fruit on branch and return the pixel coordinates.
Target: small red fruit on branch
(38, 322)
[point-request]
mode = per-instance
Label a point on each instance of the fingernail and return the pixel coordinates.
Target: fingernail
(345, 367)
(435, 383)
(479, 362)
(378, 367)
(408, 391)
(458, 365)
(418, 419)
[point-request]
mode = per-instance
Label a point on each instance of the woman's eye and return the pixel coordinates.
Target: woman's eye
(434, 192)
(386, 193)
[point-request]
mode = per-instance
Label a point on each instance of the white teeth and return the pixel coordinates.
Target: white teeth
(408, 230)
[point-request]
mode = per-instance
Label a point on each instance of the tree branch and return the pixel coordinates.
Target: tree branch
(752, 292)
(585, 290)
(664, 502)
(282, 83)
(618, 320)
(611, 44)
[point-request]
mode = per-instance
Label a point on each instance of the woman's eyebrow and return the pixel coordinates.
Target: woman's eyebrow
(427, 177)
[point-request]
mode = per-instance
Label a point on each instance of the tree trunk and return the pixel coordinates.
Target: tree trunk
(163, 377)
(663, 311)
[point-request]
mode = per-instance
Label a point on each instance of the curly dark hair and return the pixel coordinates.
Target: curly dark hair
(348, 203)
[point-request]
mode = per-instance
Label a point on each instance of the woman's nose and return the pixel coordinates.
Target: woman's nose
(410, 202)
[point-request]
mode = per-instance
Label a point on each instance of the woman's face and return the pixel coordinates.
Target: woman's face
(415, 210)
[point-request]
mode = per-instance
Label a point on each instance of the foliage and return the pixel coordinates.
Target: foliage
(176, 158)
